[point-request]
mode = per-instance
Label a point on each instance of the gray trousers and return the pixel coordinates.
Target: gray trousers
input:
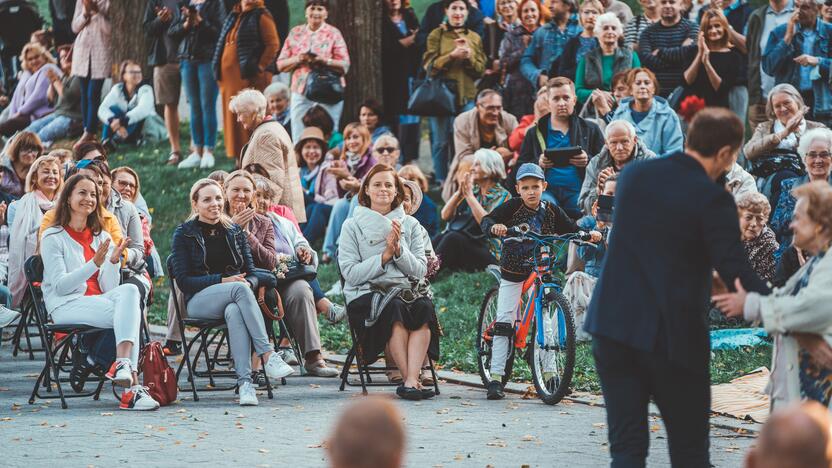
(301, 316)
(235, 303)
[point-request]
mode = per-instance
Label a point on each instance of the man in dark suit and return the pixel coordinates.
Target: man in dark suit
(674, 223)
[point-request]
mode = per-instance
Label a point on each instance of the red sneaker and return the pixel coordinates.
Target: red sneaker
(137, 399)
(121, 374)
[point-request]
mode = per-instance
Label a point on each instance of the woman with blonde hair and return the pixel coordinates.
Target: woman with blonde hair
(29, 101)
(20, 153)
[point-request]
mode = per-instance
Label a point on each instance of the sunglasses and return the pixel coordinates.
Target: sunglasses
(387, 149)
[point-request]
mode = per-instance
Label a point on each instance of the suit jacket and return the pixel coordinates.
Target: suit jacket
(673, 226)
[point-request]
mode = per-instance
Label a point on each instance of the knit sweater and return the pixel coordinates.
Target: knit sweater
(668, 64)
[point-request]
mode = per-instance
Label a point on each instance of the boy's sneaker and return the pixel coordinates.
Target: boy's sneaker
(191, 162)
(288, 355)
(121, 373)
(276, 368)
(495, 390)
(207, 161)
(248, 396)
(336, 313)
(7, 316)
(137, 399)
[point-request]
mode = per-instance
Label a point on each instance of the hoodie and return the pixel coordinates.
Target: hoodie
(660, 130)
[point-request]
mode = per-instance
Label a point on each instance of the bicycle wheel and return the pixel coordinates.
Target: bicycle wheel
(553, 363)
(488, 315)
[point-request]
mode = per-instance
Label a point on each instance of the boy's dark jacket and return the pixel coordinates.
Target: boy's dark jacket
(514, 262)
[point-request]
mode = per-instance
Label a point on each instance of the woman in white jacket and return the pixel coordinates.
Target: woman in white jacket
(125, 108)
(81, 282)
(798, 313)
(381, 255)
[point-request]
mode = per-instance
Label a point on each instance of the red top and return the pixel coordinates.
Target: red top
(85, 239)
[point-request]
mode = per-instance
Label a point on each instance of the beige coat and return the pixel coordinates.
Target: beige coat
(782, 312)
(271, 147)
(763, 141)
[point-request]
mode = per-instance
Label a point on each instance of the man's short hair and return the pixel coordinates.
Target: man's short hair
(560, 81)
(368, 434)
(712, 129)
(487, 93)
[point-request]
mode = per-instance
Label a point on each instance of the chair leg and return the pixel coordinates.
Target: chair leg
(186, 351)
(208, 363)
(433, 374)
(52, 364)
(345, 372)
(40, 379)
(18, 331)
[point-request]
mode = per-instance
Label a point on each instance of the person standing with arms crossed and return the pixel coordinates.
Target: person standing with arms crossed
(674, 224)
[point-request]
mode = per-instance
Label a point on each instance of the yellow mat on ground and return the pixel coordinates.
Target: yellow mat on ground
(743, 397)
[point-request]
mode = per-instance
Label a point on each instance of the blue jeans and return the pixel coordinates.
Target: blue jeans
(441, 132)
(134, 130)
(201, 90)
(340, 212)
(51, 127)
(317, 217)
(563, 190)
(90, 98)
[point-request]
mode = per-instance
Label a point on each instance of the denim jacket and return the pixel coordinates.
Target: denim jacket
(190, 266)
(545, 47)
(778, 61)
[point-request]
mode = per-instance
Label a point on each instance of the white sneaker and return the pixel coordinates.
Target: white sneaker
(335, 290)
(121, 373)
(7, 316)
(288, 355)
(336, 313)
(191, 162)
(138, 399)
(276, 368)
(207, 161)
(248, 396)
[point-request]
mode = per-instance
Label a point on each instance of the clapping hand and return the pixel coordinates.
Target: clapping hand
(101, 253)
(350, 184)
(304, 255)
(603, 176)
(704, 52)
(731, 304)
(243, 216)
(3, 208)
(115, 257)
(394, 237)
(466, 188)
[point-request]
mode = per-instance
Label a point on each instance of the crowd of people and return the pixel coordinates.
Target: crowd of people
(552, 101)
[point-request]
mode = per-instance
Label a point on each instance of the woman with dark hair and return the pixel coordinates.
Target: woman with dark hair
(382, 259)
(371, 115)
(18, 155)
(314, 46)
(81, 283)
(399, 63)
(578, 46)
(518, 96)
(211, 259)
(245, 53)
(126, 107)
(318, 117)
(713, 64)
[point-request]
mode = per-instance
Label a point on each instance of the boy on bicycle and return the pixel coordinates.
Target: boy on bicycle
(543, 217)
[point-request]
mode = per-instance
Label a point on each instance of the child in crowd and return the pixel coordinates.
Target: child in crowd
(757, 238)
(543, 217)
(579, 285)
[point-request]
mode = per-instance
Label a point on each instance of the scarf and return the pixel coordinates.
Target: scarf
(790, 142)
(44, 203)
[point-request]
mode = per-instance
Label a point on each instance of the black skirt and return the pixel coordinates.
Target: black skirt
(413, 316)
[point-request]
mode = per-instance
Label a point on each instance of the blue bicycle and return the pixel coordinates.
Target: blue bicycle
(543, 309)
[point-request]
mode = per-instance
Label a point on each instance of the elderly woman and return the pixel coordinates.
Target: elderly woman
(91, 58)
(815, 149)
(65, 94)
(312, 48)
(454, 53)
(43, 185)
(593, 80)
(798, 313)
(29, 101)
(271, 147)
(577, 47)
(463, 246)
(127, 107)
(246, 49)
(277, 95)
(757, 238)
(518, 93)
(19, 154)
(382, 256)
(657, 125)
(713, 65)
(772, 148)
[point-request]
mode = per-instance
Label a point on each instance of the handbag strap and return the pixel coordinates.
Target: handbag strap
(438, 52)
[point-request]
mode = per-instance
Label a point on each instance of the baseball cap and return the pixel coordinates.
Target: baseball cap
(530, 170)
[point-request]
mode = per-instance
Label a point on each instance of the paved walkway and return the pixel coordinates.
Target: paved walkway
(457, 428)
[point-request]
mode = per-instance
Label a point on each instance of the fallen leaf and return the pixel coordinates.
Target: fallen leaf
(528, 438)
(599, 425)
(314, 385)
(497, 443)
(5, 419)
(262, 450)
(442, 411)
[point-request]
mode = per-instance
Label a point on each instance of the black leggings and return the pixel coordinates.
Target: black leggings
(459, 252)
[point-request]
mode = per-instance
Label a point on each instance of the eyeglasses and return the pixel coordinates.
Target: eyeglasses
(124, 183)
(387, 149)
(30, 149)
(821, 155)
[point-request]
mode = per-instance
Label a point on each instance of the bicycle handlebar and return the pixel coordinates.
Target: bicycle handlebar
(523, 231)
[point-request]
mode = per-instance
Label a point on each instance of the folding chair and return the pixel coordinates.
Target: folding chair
(24, 329)
(364, 370)
(209, 332)
(55, 352)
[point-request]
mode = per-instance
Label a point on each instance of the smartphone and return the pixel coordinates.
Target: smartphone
(605, 206)
(560, 156)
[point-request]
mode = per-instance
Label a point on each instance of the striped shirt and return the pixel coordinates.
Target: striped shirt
(633, 30)
(669, 63)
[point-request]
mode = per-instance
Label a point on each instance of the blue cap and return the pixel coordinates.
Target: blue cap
(530, 170)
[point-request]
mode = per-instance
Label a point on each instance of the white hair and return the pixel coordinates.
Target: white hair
(810, 136)
(386, 137)
(631, 130)
(249, 100)
(278, 88)
(491, 163)
(605, 19)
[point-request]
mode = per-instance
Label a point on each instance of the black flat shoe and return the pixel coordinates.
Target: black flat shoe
(427, 393)
(495, 390)
(80, 372)
(409, 393)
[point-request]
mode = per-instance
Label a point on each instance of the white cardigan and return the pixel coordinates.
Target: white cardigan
(65, 272)
(140, 107)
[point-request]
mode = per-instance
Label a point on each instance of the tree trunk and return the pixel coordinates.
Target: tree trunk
(360, 23)
(128, 39)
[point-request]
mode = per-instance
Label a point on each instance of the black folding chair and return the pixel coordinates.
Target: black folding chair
(26, 328)
(209, 333)
(364, 370)
(56, 353)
